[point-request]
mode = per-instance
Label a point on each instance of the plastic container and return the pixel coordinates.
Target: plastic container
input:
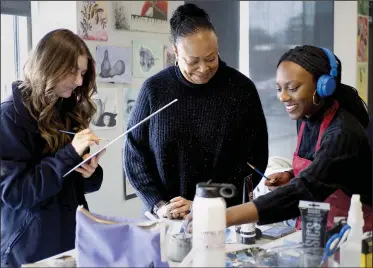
(350, 252)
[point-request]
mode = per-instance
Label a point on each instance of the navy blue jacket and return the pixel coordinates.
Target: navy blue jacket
(38, 205)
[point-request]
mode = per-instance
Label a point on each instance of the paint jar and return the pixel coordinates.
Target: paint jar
(179, 246)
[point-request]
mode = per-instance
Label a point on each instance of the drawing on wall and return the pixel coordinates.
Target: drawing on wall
(363, 7)
(169, 57)
(113, 64)
(130, 96)
(362, 80)
(122, 15)
(129, 191)
(106, 101)
(362, 39)
(92, 20)
(147, 58)
(149, 16)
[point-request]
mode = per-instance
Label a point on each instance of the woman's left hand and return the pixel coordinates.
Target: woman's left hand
(179, 207)
(88, 168)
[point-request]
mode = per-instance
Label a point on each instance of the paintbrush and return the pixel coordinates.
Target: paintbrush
(72, 133)
(257, 171)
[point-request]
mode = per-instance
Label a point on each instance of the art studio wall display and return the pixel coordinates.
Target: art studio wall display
(169, 57)
(92, 20)
(106, 101)
(147, 58)
(130, 96)
(362, 49)
(113, 64)
(122, 15)
(129, 191)
(149, 16)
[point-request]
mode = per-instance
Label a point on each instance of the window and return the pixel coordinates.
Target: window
(15, 43)
(269, 29)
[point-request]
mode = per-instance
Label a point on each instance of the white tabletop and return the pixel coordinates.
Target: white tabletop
(264, 243)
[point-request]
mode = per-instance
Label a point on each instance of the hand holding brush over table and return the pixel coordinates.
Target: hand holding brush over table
(275, 179)
(278, 179)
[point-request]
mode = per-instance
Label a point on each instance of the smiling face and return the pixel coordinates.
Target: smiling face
(295, 88)
(66, 86)
(197, 56)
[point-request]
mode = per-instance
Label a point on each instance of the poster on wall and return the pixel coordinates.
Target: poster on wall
(106, 101)
(149, 16)
(362, 80)
(122, 15)
(129, 191)
(362, 39)
(362, 49)
(169, 57)
(147, 58)
(363, 7)
(113, 64)
(130, 96)
(92, 20)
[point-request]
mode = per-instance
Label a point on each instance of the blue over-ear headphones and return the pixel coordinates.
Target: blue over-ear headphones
(326, 84)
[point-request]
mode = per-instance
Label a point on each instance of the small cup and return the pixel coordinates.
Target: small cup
(179, 246)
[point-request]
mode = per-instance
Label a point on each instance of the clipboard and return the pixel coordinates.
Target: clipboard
(120, 136)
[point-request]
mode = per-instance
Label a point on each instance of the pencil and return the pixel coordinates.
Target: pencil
(257, 171)
(72, 133)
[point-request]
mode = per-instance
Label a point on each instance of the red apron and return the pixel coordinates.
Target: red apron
(339, 201)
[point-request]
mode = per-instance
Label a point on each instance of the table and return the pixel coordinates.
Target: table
(264, 243)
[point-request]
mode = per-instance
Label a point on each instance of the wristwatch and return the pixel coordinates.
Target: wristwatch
(159, 205)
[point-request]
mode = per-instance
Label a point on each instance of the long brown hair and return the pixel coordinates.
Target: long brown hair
(53, 59)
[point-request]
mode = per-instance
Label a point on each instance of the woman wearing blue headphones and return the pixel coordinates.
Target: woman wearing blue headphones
(333, 158)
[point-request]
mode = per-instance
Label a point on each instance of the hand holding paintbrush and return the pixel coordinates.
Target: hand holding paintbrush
(82, 140)
(72, 133)
(275, 179)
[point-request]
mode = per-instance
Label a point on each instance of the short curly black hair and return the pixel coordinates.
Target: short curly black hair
(188, 19)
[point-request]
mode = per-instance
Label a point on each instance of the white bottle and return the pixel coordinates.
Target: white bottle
(209, 224)
(350, 252)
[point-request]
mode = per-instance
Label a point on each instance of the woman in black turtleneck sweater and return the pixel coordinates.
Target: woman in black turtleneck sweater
(216, 126)
(333, 158)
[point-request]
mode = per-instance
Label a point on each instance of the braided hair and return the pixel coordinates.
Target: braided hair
(314, 60)
(188, 19)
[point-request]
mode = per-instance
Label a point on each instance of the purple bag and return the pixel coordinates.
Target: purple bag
(103, 241)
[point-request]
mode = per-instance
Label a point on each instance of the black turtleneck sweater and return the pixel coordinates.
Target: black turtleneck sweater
(209, 133)
(343, 161)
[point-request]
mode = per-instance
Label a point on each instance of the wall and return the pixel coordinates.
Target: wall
(49, 15)
(225, 16)
(345, 32)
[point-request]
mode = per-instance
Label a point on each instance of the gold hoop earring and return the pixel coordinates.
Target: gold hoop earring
(313, 99)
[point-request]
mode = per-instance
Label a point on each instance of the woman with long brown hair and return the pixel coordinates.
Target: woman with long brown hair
(38, 204)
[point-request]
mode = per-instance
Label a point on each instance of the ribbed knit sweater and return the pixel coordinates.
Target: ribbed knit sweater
(344, 161)
(209, 133)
